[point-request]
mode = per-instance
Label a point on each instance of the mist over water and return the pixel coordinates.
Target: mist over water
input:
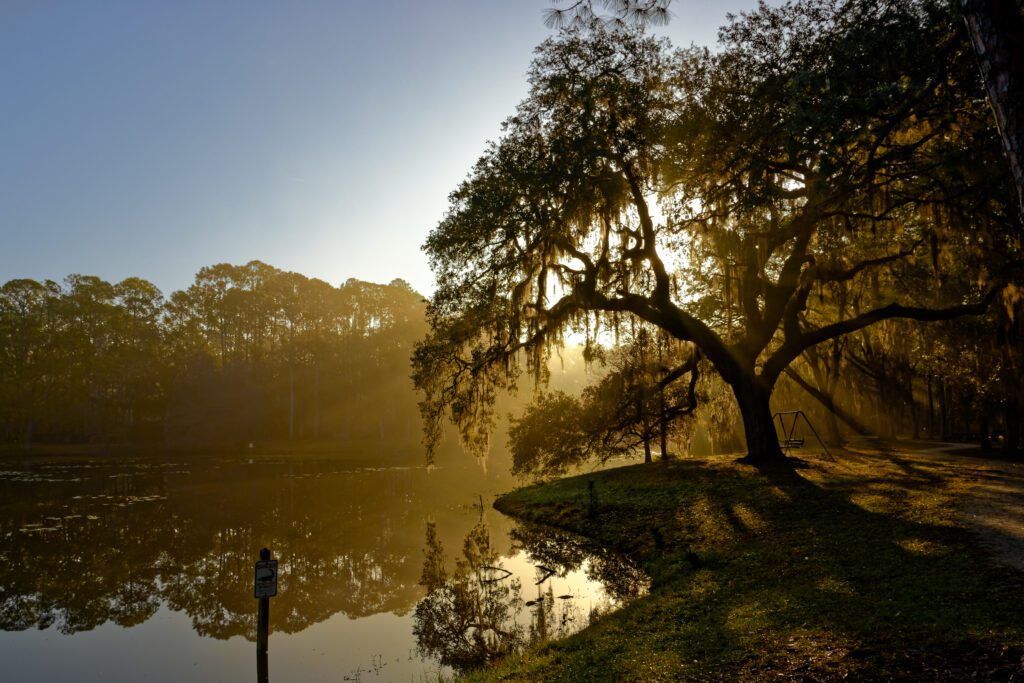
(137, 568)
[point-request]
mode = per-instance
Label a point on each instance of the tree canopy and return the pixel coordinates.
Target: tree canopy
(581, 13)
(727, 198)
(246, 353)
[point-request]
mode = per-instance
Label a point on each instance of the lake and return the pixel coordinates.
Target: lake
(133, 569)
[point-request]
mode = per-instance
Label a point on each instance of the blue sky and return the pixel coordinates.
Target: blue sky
(153, 138)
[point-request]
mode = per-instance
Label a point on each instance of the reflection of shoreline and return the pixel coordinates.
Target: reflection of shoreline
(471, 615)
(125, 537)
(468, 617)
(621, 579)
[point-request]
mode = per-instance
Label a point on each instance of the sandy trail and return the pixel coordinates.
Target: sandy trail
(995, 507)
(995, 511)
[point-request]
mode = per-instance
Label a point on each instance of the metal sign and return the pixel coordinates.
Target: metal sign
(266, 579)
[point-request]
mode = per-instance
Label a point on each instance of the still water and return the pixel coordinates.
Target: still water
(142, 570)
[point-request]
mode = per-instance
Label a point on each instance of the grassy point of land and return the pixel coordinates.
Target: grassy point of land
(858, 569)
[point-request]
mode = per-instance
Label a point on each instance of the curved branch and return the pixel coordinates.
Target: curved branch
(826, 275)
(680, 325)
(650, 250)
(796, 345)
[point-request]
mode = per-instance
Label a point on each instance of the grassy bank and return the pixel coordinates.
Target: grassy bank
(859, 569)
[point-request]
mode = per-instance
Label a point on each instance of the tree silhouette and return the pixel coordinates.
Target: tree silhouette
(581, 13)
(246, 353)
(807, 152)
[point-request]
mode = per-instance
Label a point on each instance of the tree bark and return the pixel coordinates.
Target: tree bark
(946, 422)
(997, 32)
(915, 413)
(931, 409)
(663, 423)
(759, 428)
(1012, 427)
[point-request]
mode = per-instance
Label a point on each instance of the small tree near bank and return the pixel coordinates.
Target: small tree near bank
(645, 397)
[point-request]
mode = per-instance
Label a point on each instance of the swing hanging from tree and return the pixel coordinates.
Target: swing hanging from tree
(787, 433)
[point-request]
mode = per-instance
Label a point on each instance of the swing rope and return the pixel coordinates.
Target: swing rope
(788, 442)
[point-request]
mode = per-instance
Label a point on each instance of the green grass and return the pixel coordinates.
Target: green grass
(858, 569)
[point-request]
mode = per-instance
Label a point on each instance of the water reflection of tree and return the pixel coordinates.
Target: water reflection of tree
(552, 616)
(468, 618)
(73, 570)
(111, 543)
(550, 547)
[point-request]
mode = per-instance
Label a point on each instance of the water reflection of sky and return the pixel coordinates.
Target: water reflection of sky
(139, 570)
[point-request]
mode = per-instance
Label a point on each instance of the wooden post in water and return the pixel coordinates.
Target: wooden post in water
(263, 625)
(264, 589)
(262, 668)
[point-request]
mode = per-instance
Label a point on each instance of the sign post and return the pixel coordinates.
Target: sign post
(265, 587)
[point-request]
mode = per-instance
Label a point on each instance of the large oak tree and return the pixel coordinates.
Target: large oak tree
(824, 143)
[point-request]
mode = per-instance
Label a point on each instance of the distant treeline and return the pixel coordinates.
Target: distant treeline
(246, 353)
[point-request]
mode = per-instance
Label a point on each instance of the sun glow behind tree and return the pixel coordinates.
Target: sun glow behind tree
(801, 159)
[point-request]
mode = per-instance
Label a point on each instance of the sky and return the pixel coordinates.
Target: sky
(151, 139)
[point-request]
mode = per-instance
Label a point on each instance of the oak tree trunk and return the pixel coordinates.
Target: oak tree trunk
(758, 427)
(997, 32)
(1012, 416)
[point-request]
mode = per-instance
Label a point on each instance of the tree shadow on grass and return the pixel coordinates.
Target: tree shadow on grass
(841, 569)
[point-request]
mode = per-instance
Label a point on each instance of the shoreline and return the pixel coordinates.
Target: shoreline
(862, 568)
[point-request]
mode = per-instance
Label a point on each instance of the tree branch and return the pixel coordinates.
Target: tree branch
(827, 275)
(796, 345)
(650, 249)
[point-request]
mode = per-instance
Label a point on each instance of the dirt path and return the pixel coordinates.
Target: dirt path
(995, 508)
(996, 512)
